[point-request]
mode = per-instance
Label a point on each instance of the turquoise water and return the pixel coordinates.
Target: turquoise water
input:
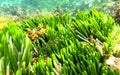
(21, 7)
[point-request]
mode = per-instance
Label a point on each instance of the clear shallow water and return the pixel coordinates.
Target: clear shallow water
(20, 7)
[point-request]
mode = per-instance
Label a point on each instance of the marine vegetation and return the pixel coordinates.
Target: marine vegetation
(60, 45)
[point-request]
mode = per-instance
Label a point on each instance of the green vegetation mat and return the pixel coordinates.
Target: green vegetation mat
(59, 45)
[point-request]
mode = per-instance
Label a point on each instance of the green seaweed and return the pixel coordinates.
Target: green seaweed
(65, 49)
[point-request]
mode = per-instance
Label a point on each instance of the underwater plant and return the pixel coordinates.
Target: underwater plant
(15, 49)
(64, 45)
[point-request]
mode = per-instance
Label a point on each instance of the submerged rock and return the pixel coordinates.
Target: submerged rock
(114, 62)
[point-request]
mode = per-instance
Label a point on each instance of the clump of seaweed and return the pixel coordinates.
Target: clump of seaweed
(74, 45)
(34, 34)
(58, 11)
(3, 22)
